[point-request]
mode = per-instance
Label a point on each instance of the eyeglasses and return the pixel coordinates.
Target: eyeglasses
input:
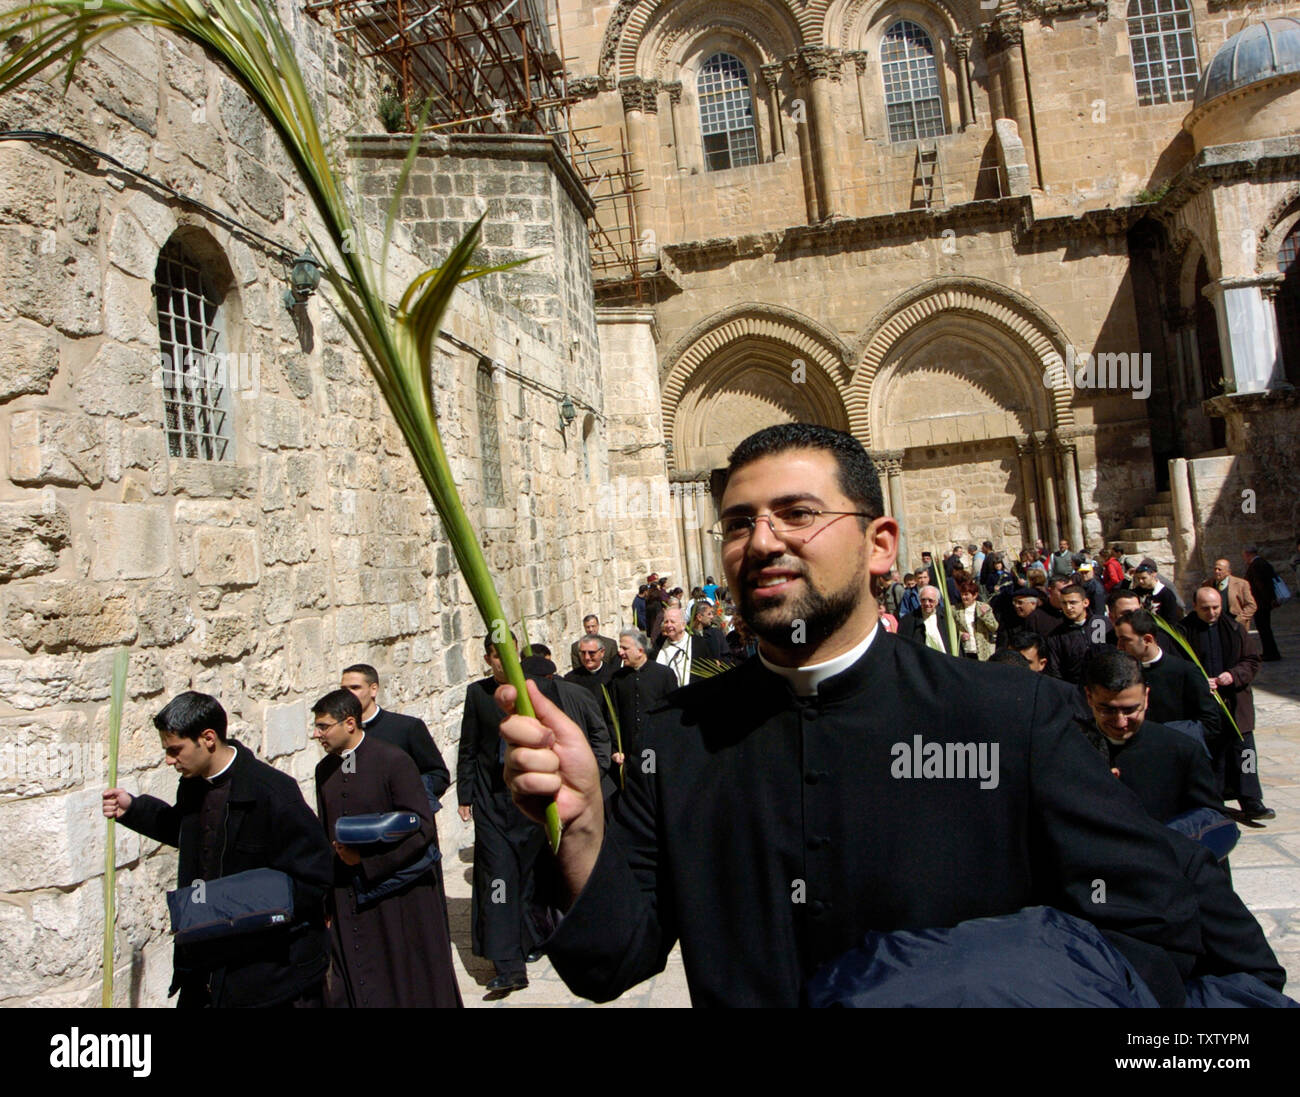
(737, 527)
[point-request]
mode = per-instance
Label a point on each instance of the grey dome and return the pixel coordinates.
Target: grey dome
(1259, 51)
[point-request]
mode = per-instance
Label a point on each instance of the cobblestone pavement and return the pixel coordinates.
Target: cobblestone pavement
(1265, 865)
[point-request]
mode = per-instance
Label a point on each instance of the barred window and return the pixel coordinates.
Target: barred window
(1287, 305)
(1163, 46)
(196, 395)
(912, 103)
(726, 113)
(489, 438)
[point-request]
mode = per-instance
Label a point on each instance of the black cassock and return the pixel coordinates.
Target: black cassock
(504, 925)
(774, 830)
(396, 951)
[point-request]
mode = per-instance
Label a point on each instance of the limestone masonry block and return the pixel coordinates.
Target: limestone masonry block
(54, 447)
(227, 557)
(29, 358)
(128, 541)
(56, 616)
(285, 729)
(62, 841)
(31, 536)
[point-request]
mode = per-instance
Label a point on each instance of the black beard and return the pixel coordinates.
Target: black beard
(823, 615)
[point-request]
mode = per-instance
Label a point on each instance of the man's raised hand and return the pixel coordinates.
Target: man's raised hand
(116, 801)
(549, 758)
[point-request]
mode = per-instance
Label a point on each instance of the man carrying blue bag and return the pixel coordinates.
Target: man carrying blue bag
(239, 825)
(388, 926)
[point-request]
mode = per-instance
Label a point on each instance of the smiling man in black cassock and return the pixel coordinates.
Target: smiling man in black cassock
(776, 827)
(390, 949)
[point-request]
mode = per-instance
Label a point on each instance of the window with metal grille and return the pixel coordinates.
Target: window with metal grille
(489, 438)
(726, 113)
(1287, 305)
(196, 394)
(913, 107)
(1162, 43)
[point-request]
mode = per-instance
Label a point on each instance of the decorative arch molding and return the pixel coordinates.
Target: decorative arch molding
(1188, 251)
(752, 322)
(636, 32)
(691, 33)
(847, 21)
(1029, 327)
(1281, 219)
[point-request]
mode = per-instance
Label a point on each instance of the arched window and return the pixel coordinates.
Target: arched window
(1163, 47)
(489, 438)
(914, 108)
(726, 113)
(1287, 305)
(195, 381)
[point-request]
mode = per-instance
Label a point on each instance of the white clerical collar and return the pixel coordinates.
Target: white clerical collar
(371, 719)
(806, 680)
(1157, 588)
(211, 779)
(352, 750)
(1160, 654)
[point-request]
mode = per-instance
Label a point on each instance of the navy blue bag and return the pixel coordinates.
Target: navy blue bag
(1214, 831)
(385, 827)
(1037, 957)
(230, 906)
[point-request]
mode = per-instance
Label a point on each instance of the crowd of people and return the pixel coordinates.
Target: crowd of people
(766, 700)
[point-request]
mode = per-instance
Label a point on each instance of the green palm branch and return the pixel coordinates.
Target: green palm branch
(248, 39)
(1181, 640)
(941, 581)
(617, 729)
(117, 696)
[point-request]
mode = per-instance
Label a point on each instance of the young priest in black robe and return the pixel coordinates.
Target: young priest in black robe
(392, 950)
(843, 781)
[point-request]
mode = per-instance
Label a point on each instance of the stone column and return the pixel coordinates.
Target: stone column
(1183, 534)
(889, 466)
(961, 47)
(688, 523)
(772, 79)
(1047, 479)
(674, 91)
(1252, 357)
(1065, 451)
(1005, 38)
(640, 117)
(860, 59)
(820, 67)
(1029, 485)
(803, 134)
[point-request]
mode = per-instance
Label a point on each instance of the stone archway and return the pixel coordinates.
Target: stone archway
(950, 395)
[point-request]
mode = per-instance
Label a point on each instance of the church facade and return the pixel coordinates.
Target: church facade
(1039, 256)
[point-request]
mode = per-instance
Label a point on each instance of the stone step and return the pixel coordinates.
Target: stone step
(1158, 510)
(1154, 535)
(1160, 551)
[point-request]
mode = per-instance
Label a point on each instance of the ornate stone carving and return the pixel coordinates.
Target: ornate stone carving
(772, 73)
(674, 90)
(586, 87)
(1049, 9)
(961, 43)
(613, 32)
(859, 59)
(817, 63)
(1003, 31)
(639, 94)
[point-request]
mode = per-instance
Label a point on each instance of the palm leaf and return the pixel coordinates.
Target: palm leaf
(1181, 640)
(248, 39)
(618, 731)
(116, 697)
(941, 582)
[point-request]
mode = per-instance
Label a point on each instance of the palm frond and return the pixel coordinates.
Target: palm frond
(117, 697)
(1187, 650)
(247, 38)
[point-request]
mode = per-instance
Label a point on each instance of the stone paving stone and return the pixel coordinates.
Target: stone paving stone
(1265, 865)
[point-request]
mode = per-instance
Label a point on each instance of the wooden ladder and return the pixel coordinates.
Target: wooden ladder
(927, 177)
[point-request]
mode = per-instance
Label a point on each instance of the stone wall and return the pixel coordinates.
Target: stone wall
(314, 544)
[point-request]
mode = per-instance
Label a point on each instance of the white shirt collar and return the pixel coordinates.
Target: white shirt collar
(223, 769)
(372, 718)
(806, 680)
(1152, 662)
(353, 749)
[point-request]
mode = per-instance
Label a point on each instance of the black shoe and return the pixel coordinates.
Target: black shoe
(535, 955)
(1253, 813)
(509, 982)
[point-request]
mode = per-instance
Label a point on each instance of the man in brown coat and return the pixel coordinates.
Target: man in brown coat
(1236, 593)
(1231, 660)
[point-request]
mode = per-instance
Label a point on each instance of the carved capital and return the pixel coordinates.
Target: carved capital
(772, 73)
(961, 43)
(817, 63)
(639, 94)
(1025, 446)
(859, 59)
(585, 87)
(1003, 31)
(674, 91)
